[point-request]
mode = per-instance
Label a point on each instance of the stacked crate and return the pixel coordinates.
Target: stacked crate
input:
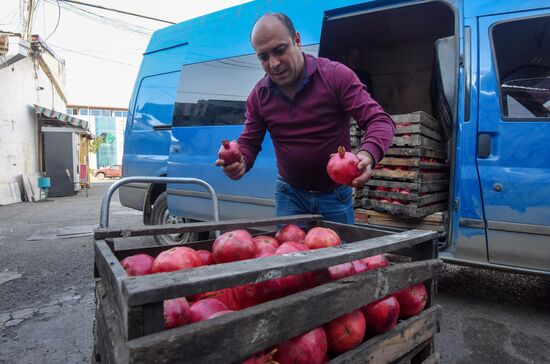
(413, 178)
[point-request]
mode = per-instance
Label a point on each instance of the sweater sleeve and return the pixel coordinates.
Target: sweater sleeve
(250, 140)
(378, 125)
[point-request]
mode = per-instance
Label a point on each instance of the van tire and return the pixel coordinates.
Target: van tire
(160, 216)
(100, 176)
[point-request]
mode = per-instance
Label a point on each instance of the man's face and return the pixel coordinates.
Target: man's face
(279, 54)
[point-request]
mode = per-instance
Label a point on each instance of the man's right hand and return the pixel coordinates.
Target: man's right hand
(234, 171)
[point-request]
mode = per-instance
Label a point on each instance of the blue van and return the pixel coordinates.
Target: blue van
(480, 67)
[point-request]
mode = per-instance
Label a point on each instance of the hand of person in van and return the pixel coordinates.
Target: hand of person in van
(235, 170)
(365, 165)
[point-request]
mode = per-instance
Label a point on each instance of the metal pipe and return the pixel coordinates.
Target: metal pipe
(105, 203)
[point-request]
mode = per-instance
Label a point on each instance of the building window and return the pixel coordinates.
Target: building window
(70, 111)
(95, 112)
(105, 112)
(83, 112)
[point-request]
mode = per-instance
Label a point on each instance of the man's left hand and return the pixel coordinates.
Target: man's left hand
(366, 163)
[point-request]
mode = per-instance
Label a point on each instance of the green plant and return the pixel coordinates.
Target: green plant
(96, 143)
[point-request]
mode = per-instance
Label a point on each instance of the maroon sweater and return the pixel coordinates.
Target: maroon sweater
(308, 128)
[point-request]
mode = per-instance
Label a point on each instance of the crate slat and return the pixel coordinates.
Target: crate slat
(388, 347)
(395, 209)
(102, 233)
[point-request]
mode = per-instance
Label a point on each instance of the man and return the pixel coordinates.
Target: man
(306, 104)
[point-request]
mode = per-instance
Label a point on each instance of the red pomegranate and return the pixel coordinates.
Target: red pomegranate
(290, 247)
(319, 237)
(261, 358)
(341, 271)
(175, 259)
(360, 266)
(412, 300)
(270, 289)
(342, 167)
(264, 244)
(225, 296)
(296, 282)
(138, 265)
(203, 309)
(382, 315)
(376, 261)
(220, 313)
(206, 257)
(307, 348)
(290, 233)
(318, 277)
(346, 332)
(233, 246)
(176, 312)
(229, 152)
(247, 295)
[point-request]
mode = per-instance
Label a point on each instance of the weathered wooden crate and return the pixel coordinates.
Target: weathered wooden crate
(415, 162)
(129, 322)
(434, 221)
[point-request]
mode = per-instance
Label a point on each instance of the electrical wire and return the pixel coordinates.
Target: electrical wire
(107, 21)
(118, 11)
(90, 55)
(57, 23)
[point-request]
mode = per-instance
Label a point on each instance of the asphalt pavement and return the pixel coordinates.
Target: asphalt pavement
(47, 302)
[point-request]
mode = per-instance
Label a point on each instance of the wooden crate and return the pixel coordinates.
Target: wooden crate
(129, 322)
(434, 221)
(415, 162)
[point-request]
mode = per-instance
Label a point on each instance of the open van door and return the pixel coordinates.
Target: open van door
(513, 151)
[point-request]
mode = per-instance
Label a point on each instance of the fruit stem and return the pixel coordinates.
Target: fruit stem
(341, 151)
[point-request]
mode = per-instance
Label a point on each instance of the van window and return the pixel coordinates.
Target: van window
(155, 101)
(214, 93)
(522, 49)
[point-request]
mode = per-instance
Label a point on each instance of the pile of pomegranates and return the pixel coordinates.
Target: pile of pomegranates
(334, 337)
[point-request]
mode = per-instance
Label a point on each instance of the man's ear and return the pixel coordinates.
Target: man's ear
(297, 40)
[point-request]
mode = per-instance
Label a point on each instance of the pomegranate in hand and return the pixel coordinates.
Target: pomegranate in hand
(229, 152)
(342, 167)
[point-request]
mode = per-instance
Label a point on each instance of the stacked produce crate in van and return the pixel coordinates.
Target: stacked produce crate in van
(413, 178)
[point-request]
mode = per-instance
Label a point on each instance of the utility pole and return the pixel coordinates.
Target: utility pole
(27, 15)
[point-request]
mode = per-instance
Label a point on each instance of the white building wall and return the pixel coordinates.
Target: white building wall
(22, 84)
(120, 127)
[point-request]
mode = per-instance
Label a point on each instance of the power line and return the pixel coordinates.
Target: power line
(118, 11)
(92, 56)
(57, 23)
(142, 31)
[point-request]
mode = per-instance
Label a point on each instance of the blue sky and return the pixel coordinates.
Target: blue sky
(102, 59)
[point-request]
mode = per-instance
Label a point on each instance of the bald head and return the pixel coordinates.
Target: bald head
(269, 19)
(277, 45)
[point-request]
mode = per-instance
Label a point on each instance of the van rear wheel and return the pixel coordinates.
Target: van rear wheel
(161, 216)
